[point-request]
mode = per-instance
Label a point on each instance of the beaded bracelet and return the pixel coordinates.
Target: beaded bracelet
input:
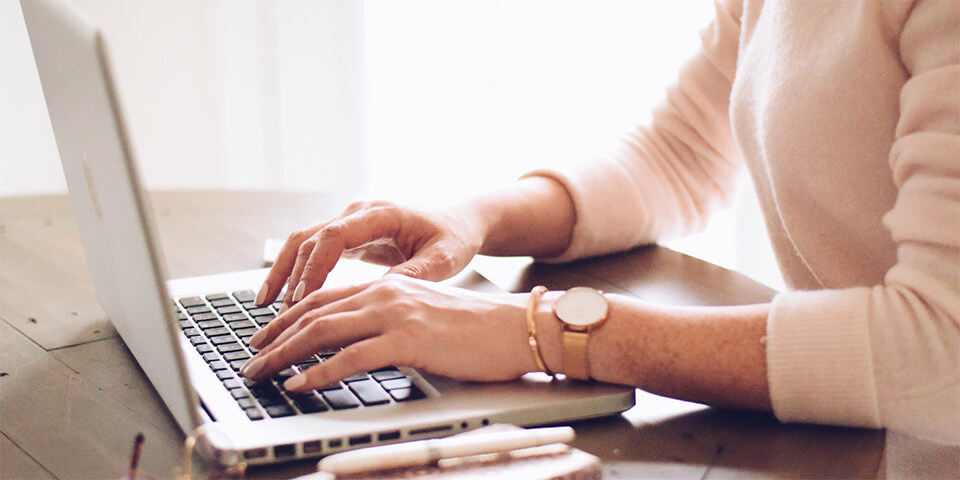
(532, 328)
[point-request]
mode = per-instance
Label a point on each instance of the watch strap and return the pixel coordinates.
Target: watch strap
(575, 363)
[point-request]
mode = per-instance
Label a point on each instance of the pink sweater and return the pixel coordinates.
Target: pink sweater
(847, 115)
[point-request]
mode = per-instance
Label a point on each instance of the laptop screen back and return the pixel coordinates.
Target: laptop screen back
(111, 210)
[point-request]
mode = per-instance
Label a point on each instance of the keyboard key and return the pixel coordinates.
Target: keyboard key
(222, 302)
(381, 375)
(341, 399)
(407, 394)
(356, 378)
(210, 357)
(196, 341)
(245, 296)
(396, 383)
(208, 324)
(370, 392)
(228, 309)
(205, 316)
(236, 365)
(216, 296)
(204, 348)
(246, 332)
(263, 320)
(219, 365)
(231, 383)
(237, 355)
(191, 302)
(191, 332)
(272, 401)
(229, 347)
(198, 310)
(263, 389)
(240, 394)
(309, 403)
(222, 339)
(233, 317)
(253, 413)
(241, 324)
(246, 402)
(303, 366)
(213, 332)
(225, 374)
(260, 312)
(277, 411)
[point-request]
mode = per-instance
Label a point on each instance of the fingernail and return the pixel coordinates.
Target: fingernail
(283, 308)
(298, 293)
(257, 339)
(252, 367)
(262, 295)
(295, 382)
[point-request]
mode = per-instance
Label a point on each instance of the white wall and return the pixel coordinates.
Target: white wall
(483, 90)
(215, 94)
(28, 158)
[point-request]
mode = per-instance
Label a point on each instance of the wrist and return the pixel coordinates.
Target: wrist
(572, 334)
(533, 217)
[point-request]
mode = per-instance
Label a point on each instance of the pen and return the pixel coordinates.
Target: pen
(426, 452)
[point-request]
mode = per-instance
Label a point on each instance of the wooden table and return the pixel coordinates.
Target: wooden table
(72, 399)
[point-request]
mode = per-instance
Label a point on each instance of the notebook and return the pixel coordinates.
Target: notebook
(189, 335)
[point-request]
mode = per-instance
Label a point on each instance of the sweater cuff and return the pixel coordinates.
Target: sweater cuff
(819, 359)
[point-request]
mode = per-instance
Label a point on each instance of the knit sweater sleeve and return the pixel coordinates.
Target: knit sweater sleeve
(665, 178)
(889, 355)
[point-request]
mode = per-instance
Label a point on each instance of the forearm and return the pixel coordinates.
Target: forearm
(711, 355)
(535, 216)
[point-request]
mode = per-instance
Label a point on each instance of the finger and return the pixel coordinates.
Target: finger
(286, 259)
(363, 356)
(332, 331)
(328, 244)
(283, 265)
(326, 298)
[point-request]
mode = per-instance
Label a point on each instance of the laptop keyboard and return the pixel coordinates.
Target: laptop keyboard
(220, 325)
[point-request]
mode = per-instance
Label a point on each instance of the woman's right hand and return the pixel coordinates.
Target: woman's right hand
(415, 243)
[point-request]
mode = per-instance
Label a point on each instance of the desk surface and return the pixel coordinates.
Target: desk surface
(72, 399)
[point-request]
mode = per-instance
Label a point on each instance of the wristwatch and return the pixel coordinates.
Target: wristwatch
(580, 309)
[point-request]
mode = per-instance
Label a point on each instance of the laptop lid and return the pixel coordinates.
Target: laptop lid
(113, 214)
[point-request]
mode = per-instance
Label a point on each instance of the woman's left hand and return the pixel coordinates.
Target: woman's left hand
(397, 320)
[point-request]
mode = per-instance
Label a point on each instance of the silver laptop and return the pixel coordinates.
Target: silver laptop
(189, 335)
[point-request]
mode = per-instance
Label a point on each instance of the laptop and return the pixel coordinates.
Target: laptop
(189, 335)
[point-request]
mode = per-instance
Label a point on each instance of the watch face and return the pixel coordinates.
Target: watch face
(581, 307)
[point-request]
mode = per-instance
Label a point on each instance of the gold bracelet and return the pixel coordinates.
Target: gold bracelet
(532, 328)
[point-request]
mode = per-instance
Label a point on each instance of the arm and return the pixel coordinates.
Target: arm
(711, 355)
(533, 217)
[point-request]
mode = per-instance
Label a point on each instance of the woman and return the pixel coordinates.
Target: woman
(846, 114)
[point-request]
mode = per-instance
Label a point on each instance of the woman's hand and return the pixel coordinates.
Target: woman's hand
(431, 246)
(397, 320)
